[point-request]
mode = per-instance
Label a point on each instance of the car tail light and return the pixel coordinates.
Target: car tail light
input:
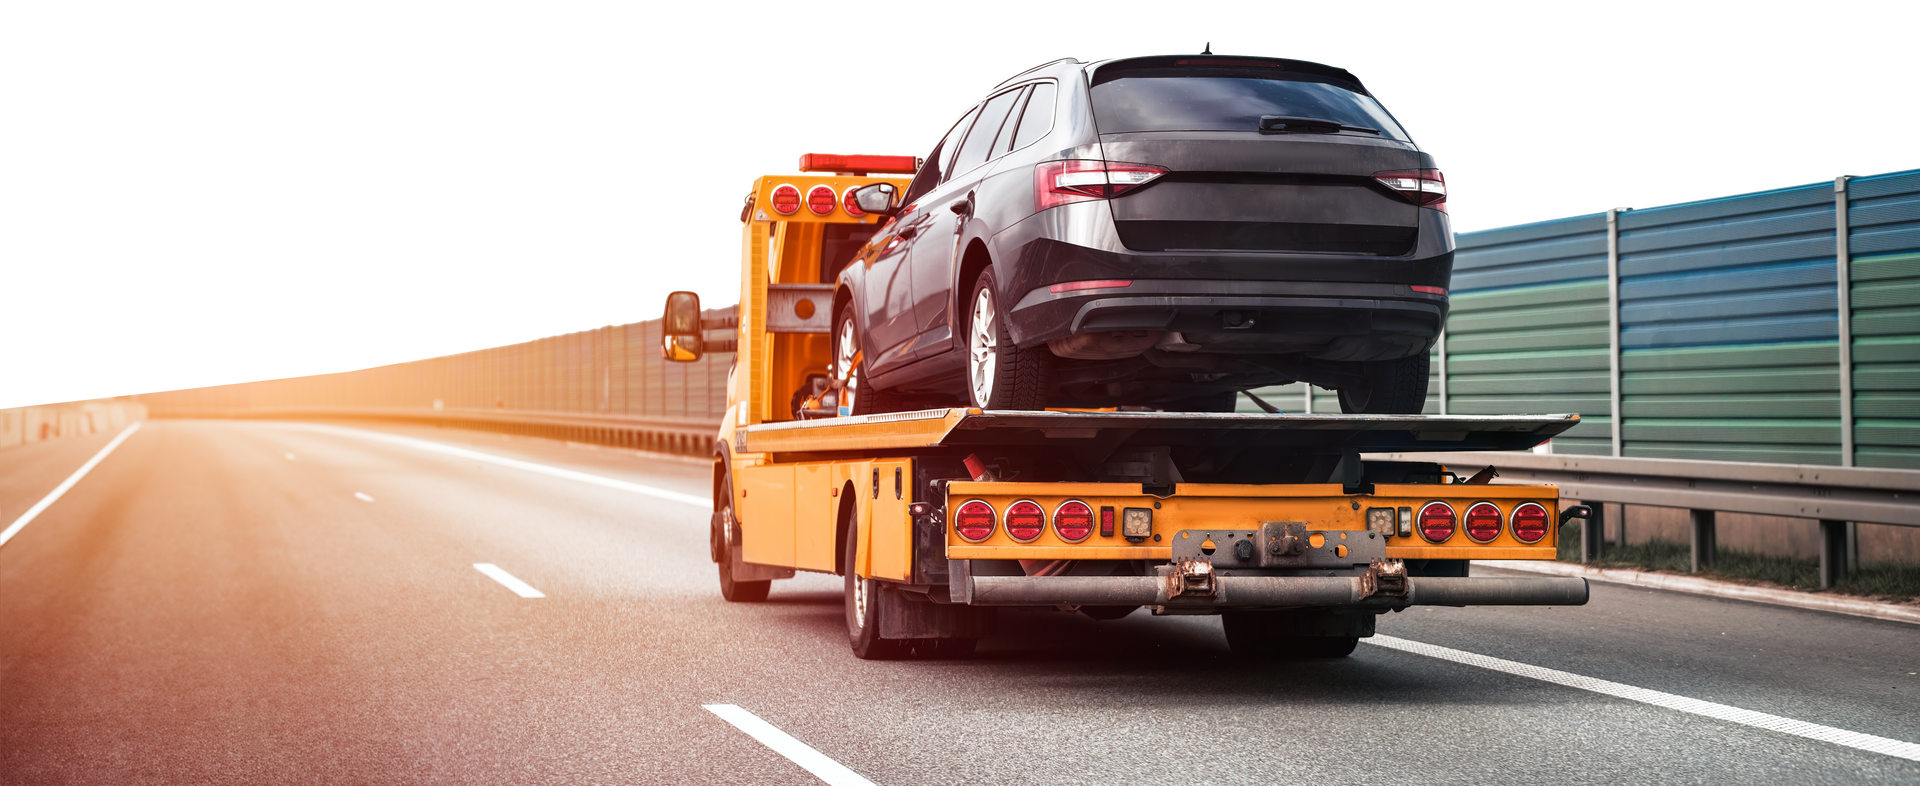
(821, 200)
(848, 204)
(1429, 290)
(1025, 520)
(1530, 522)
(1057, 183)
(1073, 521)
(786, 200)
(1483, 521)
(1436, 522)
(1423, 187)
(974, 520)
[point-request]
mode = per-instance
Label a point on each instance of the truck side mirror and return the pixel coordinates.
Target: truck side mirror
(876, 198)
(680, 339)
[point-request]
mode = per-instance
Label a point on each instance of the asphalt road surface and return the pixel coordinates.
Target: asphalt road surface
(261, 602)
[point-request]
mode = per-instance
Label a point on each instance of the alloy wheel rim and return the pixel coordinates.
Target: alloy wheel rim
(844, 358)
(983, 343)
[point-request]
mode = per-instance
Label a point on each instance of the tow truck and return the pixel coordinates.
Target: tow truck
(937, 518)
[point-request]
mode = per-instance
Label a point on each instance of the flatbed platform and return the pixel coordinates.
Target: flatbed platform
(964, 427)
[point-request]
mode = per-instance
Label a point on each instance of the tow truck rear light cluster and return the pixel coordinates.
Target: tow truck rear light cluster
(786, 200)
(974, 520)
(1073, 521)
(821, 200)
(1057, 183)
(1423, 187)
(1483, 521)
(1530, 522)
(1436, 522)
(1025, 520)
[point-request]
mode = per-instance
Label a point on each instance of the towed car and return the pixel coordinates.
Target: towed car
(1154, 231)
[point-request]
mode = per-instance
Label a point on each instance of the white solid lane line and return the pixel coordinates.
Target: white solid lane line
(61, 489)
(435, 447)
(362, 496)
(508, 580)
(798, 752)
(1812, 731)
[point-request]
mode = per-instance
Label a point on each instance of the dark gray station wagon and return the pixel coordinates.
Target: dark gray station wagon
(1156, 231)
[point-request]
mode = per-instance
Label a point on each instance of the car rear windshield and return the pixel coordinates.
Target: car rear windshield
(1187, 102)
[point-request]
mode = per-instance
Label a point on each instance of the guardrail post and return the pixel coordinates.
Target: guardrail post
(1705, 540)
(1843, 273)
(1613, 339)
(1593, 533)
(1833, 553)
(1620, 527)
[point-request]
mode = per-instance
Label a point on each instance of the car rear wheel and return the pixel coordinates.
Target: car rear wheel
(1391, 387)
(1000, 375)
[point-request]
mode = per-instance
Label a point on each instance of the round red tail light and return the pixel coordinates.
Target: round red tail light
(848, 204)
(786, 200)
(1025, 520)
(1483, 521)
(1073, 521)
(974, 520)
(821, 200)
(1530, 522)
(1436, 522)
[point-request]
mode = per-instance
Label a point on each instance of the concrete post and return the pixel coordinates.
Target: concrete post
(1705, 542)
(1833, 553)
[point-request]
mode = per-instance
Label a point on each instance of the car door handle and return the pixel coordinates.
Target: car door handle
(963, 207)
(910, 231)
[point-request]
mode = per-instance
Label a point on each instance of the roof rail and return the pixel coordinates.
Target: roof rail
(1033, 69)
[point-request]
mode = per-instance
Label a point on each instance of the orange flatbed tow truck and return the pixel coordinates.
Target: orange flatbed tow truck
(938, 517)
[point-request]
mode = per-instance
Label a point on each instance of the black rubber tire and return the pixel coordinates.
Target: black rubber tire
(1020, 376)
(863, 629)
(1262, 635)
(735, 591)
(1392, 387)
(867, 400)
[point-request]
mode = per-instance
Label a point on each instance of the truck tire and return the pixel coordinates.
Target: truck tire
(1392, 387)
(729, 537)
(1270, 635)
(867, 400)
(864, 600)
(1000, 375)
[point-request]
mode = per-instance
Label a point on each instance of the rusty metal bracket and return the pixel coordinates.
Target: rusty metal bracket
(1384, 577)
(1191, 576)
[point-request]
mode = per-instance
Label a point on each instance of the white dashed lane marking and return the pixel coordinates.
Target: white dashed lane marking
(1708, 709)
(508, 580)
(798, 752)
(61, 490)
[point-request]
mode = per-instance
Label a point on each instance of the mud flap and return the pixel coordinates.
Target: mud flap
(904, 615)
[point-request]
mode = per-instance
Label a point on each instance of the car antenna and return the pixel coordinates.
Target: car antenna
(1208, 49)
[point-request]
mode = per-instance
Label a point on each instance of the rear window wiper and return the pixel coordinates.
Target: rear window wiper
(1280, 124)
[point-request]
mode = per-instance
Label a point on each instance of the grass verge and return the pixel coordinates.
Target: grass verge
(1886, 580)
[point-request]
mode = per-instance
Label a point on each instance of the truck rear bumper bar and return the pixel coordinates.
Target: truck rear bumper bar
(1232, 592)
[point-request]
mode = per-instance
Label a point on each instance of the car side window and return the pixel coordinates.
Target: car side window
(1006, 131)
(934, 169)
(973, 152)
(1038, 119)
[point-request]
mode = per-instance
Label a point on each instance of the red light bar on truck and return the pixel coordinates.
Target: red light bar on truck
(859, 165)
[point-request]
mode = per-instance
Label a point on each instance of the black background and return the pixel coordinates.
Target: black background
(250, 210)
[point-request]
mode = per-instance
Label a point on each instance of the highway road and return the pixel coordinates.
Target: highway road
(265, 602)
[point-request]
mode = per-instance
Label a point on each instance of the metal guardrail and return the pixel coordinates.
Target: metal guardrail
(1838, 497)
(689, 437)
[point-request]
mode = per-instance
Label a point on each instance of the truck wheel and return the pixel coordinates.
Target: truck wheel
(865, 598)
(1000, 375)
(735, 591)
(1264, 635)
(1392, 387)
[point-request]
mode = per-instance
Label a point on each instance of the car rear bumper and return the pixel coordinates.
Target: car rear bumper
(1317, 318)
